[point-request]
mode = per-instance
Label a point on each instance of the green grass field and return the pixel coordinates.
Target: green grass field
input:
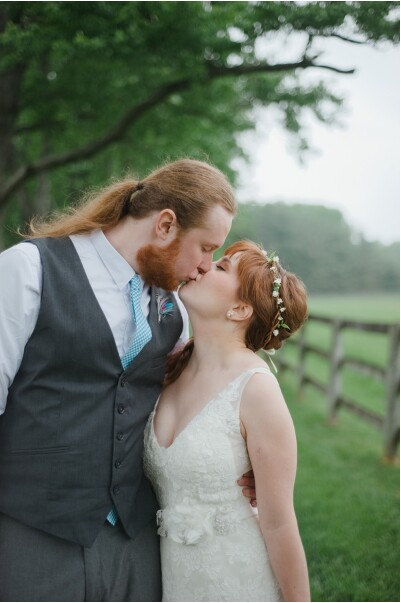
(347, 501)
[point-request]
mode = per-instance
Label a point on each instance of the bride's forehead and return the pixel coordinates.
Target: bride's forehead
(234, 257)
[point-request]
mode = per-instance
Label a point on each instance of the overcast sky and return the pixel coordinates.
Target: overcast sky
(356, 167)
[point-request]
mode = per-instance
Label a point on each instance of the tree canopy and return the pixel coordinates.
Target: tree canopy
(91, 90)
(159, 78)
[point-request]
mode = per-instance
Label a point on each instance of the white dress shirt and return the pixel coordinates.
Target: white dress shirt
(20, 293)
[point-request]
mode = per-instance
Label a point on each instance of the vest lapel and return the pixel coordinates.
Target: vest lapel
(78, 267)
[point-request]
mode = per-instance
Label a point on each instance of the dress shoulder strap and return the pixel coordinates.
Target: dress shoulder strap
(243, 380)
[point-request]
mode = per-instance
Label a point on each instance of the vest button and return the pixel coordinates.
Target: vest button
(121, 408)
(122, 382)
(120, 436)
(117, 464)
(116, 489)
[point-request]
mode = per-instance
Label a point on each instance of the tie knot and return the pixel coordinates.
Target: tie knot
(136, 285)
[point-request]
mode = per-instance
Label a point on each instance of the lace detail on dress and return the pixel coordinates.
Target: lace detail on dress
(212, 548)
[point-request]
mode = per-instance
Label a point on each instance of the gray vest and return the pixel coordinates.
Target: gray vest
(71, 437)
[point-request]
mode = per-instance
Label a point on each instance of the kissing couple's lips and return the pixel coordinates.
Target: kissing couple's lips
(190, 280)
(197, 279)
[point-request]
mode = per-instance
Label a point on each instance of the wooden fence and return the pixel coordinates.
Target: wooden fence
(390, 423)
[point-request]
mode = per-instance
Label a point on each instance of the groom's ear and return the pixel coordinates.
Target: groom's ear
(166, 224)
(242, 312)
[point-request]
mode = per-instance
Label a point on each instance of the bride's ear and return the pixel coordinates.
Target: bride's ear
(241, 312)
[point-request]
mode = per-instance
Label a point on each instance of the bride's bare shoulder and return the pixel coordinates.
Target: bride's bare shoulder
(263, 406)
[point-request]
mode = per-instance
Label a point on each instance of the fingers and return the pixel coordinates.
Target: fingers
(246, 481)
(249, 493)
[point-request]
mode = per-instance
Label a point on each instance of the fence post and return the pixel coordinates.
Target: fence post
(392, 419)
(302, 358)
(336, 357)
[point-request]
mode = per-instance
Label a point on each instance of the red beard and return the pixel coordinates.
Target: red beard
(157, 265)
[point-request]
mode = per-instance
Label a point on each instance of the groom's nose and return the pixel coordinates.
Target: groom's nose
(206, 264)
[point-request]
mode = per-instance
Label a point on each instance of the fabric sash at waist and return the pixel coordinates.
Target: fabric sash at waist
(189, 522)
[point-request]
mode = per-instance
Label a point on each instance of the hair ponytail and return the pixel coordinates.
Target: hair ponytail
(98, 210)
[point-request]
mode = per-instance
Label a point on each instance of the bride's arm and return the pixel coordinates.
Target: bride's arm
(272, 448)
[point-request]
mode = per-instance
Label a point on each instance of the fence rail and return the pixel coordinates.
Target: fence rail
(390, 422)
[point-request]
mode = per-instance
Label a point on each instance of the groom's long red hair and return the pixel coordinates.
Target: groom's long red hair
(187, 186)
(256, 288)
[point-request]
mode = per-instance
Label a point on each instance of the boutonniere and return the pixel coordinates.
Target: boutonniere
(164, 306)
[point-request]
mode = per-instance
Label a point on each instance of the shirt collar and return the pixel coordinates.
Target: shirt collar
(119, 269)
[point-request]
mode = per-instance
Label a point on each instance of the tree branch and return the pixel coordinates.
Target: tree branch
(219, 71)
(117, 132)
(344, 38)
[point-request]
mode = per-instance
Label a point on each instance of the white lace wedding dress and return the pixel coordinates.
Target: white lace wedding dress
(212, 548)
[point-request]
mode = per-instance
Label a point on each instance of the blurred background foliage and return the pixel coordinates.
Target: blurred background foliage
(95, 90)
(317, 244)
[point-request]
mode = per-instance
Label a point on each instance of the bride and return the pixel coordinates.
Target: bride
(222, 413)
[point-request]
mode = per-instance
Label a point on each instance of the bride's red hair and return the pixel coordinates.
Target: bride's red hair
(256, 288)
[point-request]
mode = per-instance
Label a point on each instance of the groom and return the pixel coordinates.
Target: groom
(87, 319)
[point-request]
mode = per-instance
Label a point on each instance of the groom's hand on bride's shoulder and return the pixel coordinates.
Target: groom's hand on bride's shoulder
(248, 481)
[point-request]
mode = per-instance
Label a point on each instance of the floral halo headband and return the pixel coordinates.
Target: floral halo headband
(274, 259)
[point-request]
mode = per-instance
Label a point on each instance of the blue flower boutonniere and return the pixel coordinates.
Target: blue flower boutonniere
(164, 306)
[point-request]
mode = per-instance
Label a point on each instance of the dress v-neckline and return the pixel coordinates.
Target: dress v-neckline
(198, 413)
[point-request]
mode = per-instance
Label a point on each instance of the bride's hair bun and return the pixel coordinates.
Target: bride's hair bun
(256, 274)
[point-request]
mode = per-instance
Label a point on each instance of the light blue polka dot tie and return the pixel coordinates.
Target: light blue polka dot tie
(143, 334)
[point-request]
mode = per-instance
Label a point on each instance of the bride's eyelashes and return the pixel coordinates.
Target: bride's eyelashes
(220, 267)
